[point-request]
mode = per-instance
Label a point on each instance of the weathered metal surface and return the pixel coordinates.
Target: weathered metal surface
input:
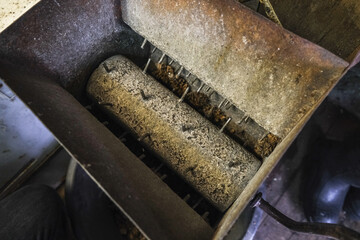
(269, 73)
(333, 24)
(67, 42)
(157, 211)
(63, 42)
(210, 161)
(68, 39)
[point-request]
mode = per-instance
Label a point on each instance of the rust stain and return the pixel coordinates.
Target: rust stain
(199, 101)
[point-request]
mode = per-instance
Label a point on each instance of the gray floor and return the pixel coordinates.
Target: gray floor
(25, 143)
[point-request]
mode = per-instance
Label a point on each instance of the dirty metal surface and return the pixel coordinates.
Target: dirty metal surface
(271, 74)
(68, 39)
(210, 161)
(57, 45)
(213, 106)
(333, 24)
(157, 211)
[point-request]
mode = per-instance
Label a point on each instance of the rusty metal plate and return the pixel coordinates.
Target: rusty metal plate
(271, 74)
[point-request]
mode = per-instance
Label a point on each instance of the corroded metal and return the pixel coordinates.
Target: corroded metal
(211, 162)
(272, 75)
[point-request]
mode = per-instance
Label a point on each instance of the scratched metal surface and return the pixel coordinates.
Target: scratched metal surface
(271, 74)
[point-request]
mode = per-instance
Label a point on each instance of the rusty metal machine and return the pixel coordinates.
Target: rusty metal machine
(209, 90)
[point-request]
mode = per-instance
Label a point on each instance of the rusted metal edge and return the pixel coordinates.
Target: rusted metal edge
(268, 165)
(266, 71)
(140, 194)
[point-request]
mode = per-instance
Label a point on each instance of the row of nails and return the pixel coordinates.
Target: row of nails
(188, 88)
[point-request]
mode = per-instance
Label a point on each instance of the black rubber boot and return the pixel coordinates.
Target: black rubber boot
(352, 204)
(333, 168)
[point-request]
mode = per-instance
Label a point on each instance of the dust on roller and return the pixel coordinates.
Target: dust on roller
(214, 164)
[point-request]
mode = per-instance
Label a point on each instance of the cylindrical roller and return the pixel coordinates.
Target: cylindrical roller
(214, 164)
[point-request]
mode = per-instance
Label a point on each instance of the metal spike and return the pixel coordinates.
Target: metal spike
(188, 75)
(143, 43)
(222, 103)
(184, 94)
(146, 66)
(124, 134)
(242, 119)
(224, 126)
(161, 58)
(201, 86)
(179, 72)
(211, 93)
(158, 167)
(228, 105)
(197, 203)
(154, 49)
(105, 103)
(205, 215)
(186, 198)
(195, 80)
(171, 62)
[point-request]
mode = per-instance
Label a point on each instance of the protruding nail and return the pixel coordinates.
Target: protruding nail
(184, 94)
(179, 72)
(201, 86)
(186, 198)
(222, 103)
(224, 126)
(197, 203)
(158, 167)
(146, 66)
(143, 43)
(105, 104)
(161, 58)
